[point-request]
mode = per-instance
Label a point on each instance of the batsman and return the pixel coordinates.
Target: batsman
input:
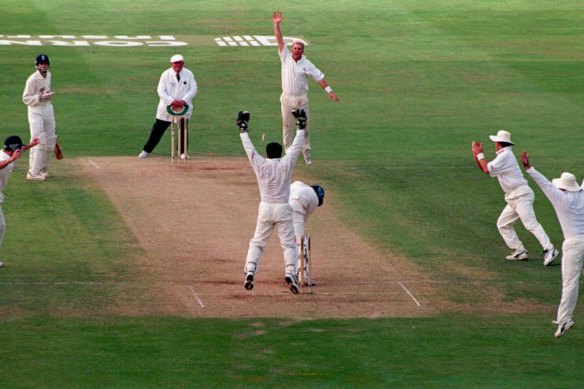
(37, 96)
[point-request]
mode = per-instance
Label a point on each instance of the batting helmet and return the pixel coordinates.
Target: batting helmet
(13, 143)
(319, 193)
(42, 58)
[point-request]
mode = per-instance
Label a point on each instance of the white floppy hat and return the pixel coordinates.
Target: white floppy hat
(567, 181)
(502, 136)
(176, 58)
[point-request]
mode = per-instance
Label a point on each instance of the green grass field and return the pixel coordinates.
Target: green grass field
(418, 81)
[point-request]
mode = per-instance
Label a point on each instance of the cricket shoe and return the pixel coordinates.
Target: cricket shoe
(144, 154)
(31, 177)
(518, 255)
(183, 156)
(248, 284)
(292, 282)
(564, 327)
(549, 256)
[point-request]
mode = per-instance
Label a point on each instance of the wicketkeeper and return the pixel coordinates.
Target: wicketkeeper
(273, 176)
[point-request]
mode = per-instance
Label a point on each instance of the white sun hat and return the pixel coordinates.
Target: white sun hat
(567, 181)
(502, 136)
(176, 58)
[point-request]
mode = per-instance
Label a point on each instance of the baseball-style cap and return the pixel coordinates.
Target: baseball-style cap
(13, 143)
(176, 58)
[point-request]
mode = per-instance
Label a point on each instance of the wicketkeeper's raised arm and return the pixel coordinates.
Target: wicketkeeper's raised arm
(277, 19)
(482, 163)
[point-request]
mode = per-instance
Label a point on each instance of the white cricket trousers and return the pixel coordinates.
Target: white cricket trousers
(521, 208)
(288, 104)
(572, 257)
(272, 216)
(41, 121)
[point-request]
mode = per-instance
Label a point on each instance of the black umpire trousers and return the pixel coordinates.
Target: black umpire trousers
(157, 131)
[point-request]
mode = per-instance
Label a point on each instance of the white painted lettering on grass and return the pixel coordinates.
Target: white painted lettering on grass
(90, 40)
(65, 40)
(254, 40)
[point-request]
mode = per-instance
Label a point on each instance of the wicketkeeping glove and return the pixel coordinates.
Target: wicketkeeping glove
(300, 116)
(242, 119)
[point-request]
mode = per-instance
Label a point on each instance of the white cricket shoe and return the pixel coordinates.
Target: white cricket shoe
(518, 255)
(144, 154)
(31, 177)
(563, 328)
(183, 156)
(550, 255)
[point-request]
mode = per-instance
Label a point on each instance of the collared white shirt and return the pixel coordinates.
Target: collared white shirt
(170, 89)
(294, 73)
(569, 206)
(4, 173)
(303, 199)
(506, 169)
(273, 174)
(35, 85)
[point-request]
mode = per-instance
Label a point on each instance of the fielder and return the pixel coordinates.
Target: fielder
(567, 197)
(273, 175)
(12, 150)
(518, 195)
(41, 119)
(304, 200)
(295, 70)
(177, 87)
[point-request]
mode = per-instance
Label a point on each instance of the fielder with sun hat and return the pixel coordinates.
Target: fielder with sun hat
(11, 151)
(177, 87)
(567, 198)
(518, 195)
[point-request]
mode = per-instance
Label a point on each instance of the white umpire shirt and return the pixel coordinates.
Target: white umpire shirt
(294, 73)
(35, 85)
(4, 173)
(170, 89)
(569, 206)
(303, 199)
(506, 169)
(274, 174)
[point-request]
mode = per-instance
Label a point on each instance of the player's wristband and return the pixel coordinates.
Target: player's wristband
(480, 156)
(328, 89)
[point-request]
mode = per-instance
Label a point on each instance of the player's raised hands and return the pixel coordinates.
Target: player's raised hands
(277, 17)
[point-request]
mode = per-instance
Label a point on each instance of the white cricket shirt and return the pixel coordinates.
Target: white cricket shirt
(4, 173)
(569, 206)
(35, 85)
(506, 169)
(273, 174)
(303, 199)
(294, 73)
